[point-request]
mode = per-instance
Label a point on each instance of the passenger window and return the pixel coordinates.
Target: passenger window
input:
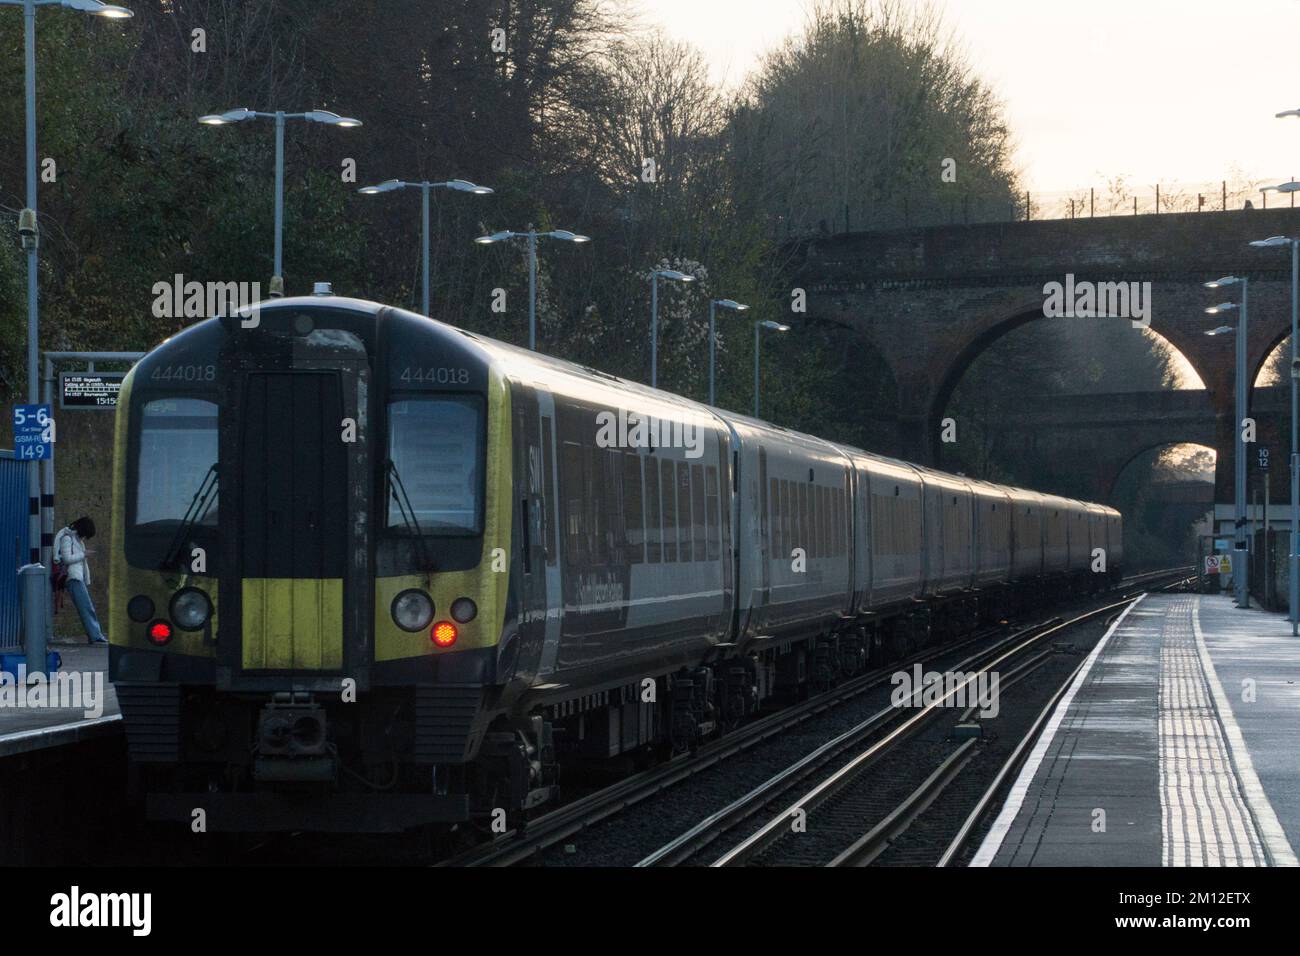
(571, 480)
(594, 502)
(668, 485)
(683, 511)
(697, 512)
(653, 532)
(711, 512)
(632, 515)
(548, 485)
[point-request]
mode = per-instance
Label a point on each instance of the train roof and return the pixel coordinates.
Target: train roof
(524, 364)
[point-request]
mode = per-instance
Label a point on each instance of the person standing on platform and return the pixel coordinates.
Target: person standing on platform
(70, 554)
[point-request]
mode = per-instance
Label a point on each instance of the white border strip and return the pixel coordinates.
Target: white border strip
(1266, 822)
(1016, 798)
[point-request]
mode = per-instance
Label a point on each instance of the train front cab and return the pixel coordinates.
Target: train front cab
(297, 602)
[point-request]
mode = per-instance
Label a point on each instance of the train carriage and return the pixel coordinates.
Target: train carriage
(992, 506)
(1056, 535)
(949, 532)
(371, 571)
(892, 505)
(1027, 534)
(793, 503)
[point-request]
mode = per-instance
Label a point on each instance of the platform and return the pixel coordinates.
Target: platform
(1177, 744)
(27, 728)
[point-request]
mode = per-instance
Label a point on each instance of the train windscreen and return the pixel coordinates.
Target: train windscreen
(178, 447)
(435, 443)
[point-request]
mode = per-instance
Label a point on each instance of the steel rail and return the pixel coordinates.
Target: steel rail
(778, 826)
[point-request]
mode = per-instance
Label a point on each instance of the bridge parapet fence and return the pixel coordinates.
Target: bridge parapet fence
(1116, 198)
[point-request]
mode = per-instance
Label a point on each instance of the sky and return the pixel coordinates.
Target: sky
(1156, 91)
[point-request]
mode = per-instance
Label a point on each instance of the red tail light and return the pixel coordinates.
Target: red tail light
(160, 632)
(444, 633)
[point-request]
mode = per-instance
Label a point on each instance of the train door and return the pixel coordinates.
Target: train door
(529, 503)
(297, 609)
(292, 521)
(550, 514)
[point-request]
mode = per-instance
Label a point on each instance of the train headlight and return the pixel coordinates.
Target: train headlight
(412, 610)
(140, 608)
(463, 610)
(190, 609)
(444, 634)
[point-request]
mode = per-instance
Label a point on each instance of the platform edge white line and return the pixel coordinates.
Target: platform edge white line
(1270, 828)
(1015, 799)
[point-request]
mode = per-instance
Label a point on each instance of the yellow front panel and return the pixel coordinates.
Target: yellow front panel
(293, 624)
(488, 582)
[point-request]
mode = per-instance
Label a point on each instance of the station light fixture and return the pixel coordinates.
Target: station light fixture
(715, 304)
(243, 113)
(532, 236)
(655, 275)
(110, 11)
(458, 185)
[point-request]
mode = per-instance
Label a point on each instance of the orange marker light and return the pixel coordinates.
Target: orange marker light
(444, 633)
(160, 632)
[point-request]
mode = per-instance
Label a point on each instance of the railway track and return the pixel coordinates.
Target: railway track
(537, 836)
(839, 790)
(846, 795)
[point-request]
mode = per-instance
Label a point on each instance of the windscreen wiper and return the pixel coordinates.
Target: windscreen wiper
(398, 490)
(198, 509)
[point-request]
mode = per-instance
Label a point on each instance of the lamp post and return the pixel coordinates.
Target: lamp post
(29, 236)
(460, 185)
(726, 304)
(758, 327)
(532, 236)
(1241, 570)
(1293, 589)
(675, 276)
(280, 116)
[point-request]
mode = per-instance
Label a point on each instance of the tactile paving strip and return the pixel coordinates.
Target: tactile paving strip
(1205, 821)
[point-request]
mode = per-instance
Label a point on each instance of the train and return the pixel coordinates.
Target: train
(371, 572)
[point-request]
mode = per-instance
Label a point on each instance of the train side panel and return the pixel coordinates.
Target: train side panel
(1056, 540)
(992, 533)
(794, 507)
(894, 491)
(949, 532)
(1026, 534)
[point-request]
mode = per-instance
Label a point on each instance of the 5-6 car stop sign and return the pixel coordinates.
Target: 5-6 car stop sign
(33, 432)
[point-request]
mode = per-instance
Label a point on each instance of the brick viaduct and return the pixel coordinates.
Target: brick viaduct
(931, 300)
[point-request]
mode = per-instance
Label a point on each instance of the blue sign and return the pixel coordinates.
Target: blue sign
(33, 432)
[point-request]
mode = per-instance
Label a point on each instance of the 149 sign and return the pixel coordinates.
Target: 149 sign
(33, 432)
